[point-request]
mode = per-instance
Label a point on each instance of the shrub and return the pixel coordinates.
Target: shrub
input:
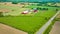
(30, 32)
(1, 14)
(14, 2)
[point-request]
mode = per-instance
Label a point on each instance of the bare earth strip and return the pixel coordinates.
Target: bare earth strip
(56, 28)
(4, 29)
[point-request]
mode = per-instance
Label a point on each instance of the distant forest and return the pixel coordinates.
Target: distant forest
(29, 0)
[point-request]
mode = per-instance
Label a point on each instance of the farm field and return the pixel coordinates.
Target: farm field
(54, 24)
(55, 29)
(30, 22)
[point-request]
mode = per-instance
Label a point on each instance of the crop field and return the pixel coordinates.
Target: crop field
(28, 23)
(48, 30)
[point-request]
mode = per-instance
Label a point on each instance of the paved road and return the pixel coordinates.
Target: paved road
(43, 28)
(56, 28)
(4, 29)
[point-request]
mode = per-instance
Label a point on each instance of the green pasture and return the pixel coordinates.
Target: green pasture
(27, 23)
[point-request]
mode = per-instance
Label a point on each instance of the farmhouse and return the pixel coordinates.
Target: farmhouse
(25, 12)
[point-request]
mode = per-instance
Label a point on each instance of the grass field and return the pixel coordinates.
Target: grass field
(47, 31)
(27, 23)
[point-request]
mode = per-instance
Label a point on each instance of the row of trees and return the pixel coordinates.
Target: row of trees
(47, 4)
(42, 8)
(31, 0)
